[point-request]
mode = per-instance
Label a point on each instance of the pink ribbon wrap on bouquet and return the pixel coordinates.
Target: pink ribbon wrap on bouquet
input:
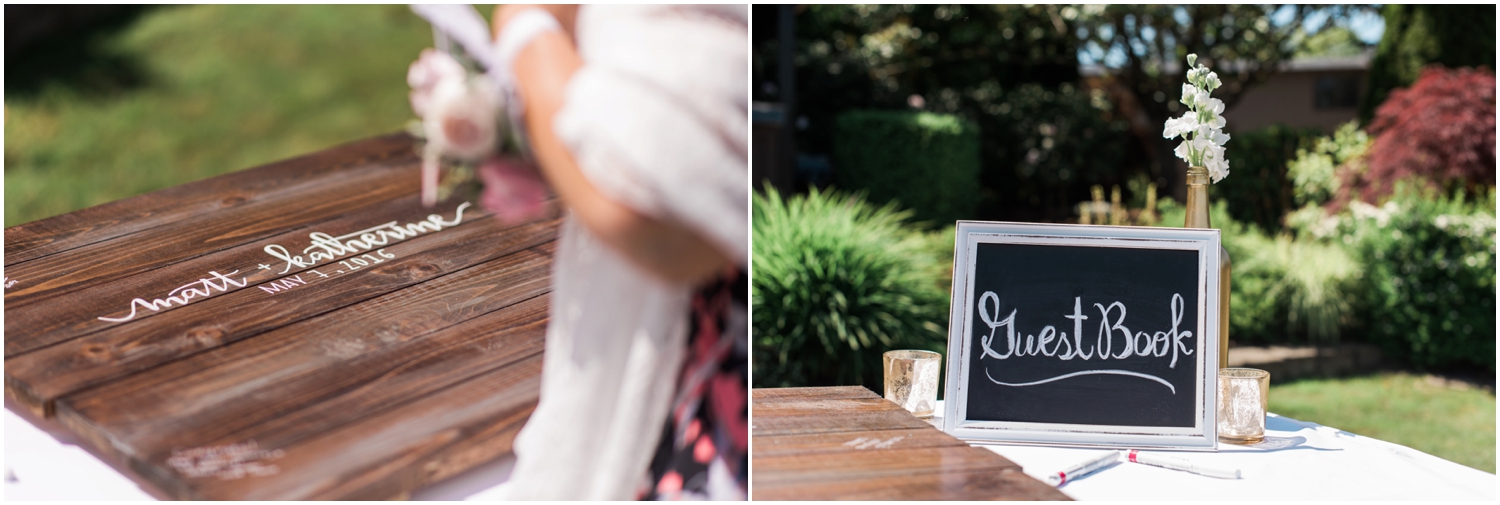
(513, 190)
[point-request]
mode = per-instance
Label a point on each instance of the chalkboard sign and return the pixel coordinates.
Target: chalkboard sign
(1084, 335)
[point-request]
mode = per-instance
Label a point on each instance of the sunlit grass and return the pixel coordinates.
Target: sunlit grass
(1453, 423)
(223, 87)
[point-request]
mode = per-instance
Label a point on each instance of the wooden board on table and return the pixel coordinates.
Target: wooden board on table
(847, 443)
(407, 353)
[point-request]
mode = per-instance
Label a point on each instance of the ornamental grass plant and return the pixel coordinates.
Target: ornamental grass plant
(837, 282)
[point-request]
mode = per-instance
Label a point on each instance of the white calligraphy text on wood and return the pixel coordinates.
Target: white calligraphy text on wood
(326, 248)
(201, 288)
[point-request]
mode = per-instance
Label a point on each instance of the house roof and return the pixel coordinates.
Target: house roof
(1313, 64)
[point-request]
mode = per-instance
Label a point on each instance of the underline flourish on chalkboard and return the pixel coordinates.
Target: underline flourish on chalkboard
(1085, 372)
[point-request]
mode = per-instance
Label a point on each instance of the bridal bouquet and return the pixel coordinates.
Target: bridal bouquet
(1202, 127)
(465, 124)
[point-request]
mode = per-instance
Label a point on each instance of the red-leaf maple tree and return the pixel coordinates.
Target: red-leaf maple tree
(1440, 130)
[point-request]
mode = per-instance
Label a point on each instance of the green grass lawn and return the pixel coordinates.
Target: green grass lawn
(180, 93)
(1453, 423)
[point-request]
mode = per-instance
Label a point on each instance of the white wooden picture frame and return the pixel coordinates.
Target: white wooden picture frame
(1202, 319)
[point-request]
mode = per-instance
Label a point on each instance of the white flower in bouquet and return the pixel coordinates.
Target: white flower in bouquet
(431, 68)
(462, 119)
(459, 111)
(1201, 128)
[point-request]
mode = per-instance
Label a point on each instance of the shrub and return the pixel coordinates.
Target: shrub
(957, 59)
(1429, 275)
(1441, 130)
(1282, 289)
(1315, 172)
(927, 162)
(1258, 189)
(1316, 287)
(837, 282)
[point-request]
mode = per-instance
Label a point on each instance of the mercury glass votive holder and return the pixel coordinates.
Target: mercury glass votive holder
(911, 380)
(1242, 405)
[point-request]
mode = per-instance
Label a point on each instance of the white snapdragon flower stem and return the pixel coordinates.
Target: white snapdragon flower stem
(1200, 127)
(431, 160)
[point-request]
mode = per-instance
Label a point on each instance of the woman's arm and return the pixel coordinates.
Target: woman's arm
(543, 68)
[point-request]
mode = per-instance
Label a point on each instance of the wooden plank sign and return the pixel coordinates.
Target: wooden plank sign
(1084, 335)
(301, 330)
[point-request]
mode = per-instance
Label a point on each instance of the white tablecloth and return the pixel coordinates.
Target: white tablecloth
(1298, 461)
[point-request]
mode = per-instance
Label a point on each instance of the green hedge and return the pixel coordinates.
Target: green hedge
(1425, 277)
(837, 282)
(1429, 276)
(927, 162)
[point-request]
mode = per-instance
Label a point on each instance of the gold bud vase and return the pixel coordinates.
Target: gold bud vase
(1197, 217)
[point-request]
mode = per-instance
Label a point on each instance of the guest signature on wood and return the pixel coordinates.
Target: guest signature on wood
(9, 283)
(863, 443)
(352, 251)
(1158, 344)
(227, 462)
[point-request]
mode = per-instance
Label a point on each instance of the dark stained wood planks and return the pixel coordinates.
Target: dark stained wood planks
(842, 441)
(847, 443)
(823, 393)
(366, 351)
(41, 376)
(210, 232)
(310, 379)
(966, 486)
(28, 241)
(77, 313)
(394, 451)
(809, 415)
(325, 398)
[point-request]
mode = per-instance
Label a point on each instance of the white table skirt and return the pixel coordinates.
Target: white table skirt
(1298, 461)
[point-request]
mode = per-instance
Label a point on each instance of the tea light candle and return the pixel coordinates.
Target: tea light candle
(911, 380)
(1242, 405)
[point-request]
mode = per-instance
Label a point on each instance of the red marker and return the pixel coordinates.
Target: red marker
(1082, 469)
(1182, 465)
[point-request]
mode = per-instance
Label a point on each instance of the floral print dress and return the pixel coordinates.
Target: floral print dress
(703, 452)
